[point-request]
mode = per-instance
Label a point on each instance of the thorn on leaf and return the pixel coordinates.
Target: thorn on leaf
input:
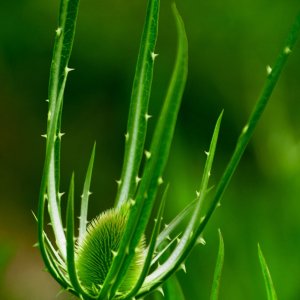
(147, 117)
(183, 267)
(60, 195)
(153, 55)
(160, 180)
(269, 69)
(58, 31)
(67, 70)
(60, 135)
(159, 289)
(148, 154)
(201, 241)
(137, 179)
(287, 50)
(36, 245)
(245, 129)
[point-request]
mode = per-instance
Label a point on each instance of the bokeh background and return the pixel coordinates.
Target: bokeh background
(230, 43)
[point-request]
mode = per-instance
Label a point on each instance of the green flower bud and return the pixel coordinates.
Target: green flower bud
(101, 243)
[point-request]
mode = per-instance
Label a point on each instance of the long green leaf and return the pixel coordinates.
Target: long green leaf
(271, 293)
(63, 44)
(189, 238)
(138, 111)
(218, 270)
(85, 198)
(172, 289)
(163, 134)
(54, 211)
(150, 33)
(255, 116)
(159, 151)
(71, 243)
(64, 38)
(151, 247)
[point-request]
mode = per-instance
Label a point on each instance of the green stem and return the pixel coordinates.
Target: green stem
(250, 126)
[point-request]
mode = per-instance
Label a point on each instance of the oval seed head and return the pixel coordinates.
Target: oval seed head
(101, 244)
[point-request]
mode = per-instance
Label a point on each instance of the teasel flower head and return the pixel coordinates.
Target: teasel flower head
(112, 257)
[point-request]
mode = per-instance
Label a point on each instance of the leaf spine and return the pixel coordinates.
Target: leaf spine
(160, 180)
(269, 69)
(58, 31)
(148, 154)
(183, 267)
(287, 50)
(154, 55)
(160, 289)
(147, 116)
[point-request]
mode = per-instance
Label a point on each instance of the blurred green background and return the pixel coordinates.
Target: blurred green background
(230, 42)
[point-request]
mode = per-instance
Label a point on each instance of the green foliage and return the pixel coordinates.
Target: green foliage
(109, 258)
(172, 289)
(218, 270)
(271, 293)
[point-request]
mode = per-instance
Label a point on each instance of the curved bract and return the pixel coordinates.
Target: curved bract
(109, 258)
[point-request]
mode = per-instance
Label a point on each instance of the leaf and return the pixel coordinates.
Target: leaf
(160, 147)
(148, 38)
(151, 247)
(218, 270)
(164, 131)
(172, 289)
(138, 111)
(175, 223)
(248, 130)
(71, 243)
(58, 75)
(190, 236)
(85, 198)
(48, 183)
(271, 293)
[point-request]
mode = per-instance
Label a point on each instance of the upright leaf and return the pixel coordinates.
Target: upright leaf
(138, 111)
(85, 198)
(136, 129)
(248, 130)
(218, 270)
(271, 293)
(58, 75)
(190, 236)
(159, 151)
(172, 289)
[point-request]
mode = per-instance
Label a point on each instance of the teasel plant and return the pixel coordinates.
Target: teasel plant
(111, 257)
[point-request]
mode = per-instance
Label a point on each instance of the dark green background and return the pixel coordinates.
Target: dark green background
(231, 42)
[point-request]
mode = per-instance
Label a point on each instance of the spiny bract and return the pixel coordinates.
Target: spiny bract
(102, 240)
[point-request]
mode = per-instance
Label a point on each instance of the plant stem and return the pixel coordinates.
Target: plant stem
(250, 126)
